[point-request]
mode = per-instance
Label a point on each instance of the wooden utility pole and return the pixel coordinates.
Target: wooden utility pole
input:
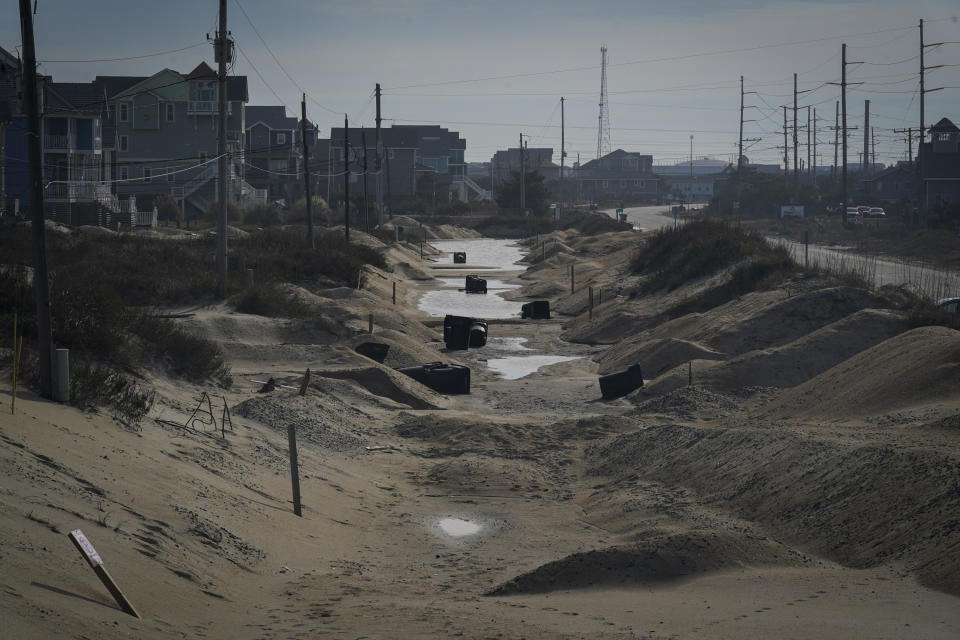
(366, 208)
(223, 53)
(346, 177)
(294, 469)
(306, 171)
(809, 148)
(379, 162)
(836, 137)
(563, 154)
(38, 230)
(873, 148)
(523, 178)
(814, 148)
(796, 161)
(864, 171)
(786, 150)
(740, 139)
(843, 101)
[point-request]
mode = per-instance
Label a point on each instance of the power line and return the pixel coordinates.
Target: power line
(146, 55)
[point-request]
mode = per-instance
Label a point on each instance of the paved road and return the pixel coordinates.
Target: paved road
(645, 218)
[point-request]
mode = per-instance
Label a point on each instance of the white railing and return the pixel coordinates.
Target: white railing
(74, 190)
(209, 172)
(206, 107)
(55, 141)
(482, 194)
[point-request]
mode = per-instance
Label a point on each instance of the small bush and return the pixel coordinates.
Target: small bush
(271, 301)
(181, 352)
(925, 314)
(694, 250)
(234, 213)
(265, 215)
(93, 385)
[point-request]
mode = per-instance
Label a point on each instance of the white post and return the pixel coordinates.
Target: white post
(62, 390)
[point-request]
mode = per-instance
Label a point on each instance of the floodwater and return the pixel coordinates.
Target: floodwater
(516, 367)
(507, 344)
(489, 253)
(476, 305)
(458, 527)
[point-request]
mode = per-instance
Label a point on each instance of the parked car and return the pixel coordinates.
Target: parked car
(876, 212)
(853, 211)
(863, 210)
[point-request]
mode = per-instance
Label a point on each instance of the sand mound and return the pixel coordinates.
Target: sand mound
(404, 351)
(858, 503)
(690, 402)
(797, 362)
(917, 367)
(449, 436)
(655, 356)
(657, 559)
(387, 383)
(318, 424)
(616, 322)
(679, 377)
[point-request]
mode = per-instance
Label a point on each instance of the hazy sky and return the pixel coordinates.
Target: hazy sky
(674, 66)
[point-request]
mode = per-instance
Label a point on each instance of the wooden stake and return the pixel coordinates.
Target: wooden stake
(690, 373)
(294, 468)
(305, 383)
(370, 325)
(394, 293)
(86, 549)
(571, 278)
(591, 303)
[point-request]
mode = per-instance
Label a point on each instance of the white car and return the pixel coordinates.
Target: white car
(875, 212)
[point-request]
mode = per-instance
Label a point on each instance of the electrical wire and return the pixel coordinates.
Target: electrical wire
(123, 59)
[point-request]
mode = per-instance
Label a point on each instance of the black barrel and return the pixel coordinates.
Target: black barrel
(460, 257)
(461, 332)
(538, 310)
(373, 350)
(621, 383)
(475, 284)
(442, 378)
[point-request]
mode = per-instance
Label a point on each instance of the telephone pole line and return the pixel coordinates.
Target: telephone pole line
(796, 163)
(38, 230)
(366, 209)
(809, 164)
(346, 177)
(786, 150)
(379, 163)
(306, 170)
(740, 139)
(563, 154)
(523, 178)
(843, 99)
(923, 93)
(866, 139)
(221, 45)
(836, 138)
(814, 148)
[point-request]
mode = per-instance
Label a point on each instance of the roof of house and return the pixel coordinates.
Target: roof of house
(944, 126)
(74, 97)
(274, 117)
(613, 155)
(394, 137)
(115, 85)
(886, 173)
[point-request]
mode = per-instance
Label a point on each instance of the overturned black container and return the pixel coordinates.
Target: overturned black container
(442, 378)
(475, 284)
(459, 257)
(621, 383)
(538, 310)
(373, 350)
(461, 332)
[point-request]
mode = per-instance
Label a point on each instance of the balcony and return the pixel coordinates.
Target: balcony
(77, 191)
(206, 107)
(56, 141)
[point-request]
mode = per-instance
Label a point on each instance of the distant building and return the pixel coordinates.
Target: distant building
(505, 162)
(940, 165)
(896, 183)
(619, 175)
(166, 137)
(273, 162)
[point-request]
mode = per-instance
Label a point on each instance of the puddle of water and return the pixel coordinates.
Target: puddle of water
(459, 303)
(458, 527)
(501, 255)
(500, 285)
(507, 344)
(516, 367)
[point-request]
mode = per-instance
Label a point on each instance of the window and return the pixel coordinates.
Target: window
(170, 110)
(111, 112)
(281, 138)
(389, 154)
(124, 143)
(171, 176)
(124, 108)
(124, 173)
(147, 174)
